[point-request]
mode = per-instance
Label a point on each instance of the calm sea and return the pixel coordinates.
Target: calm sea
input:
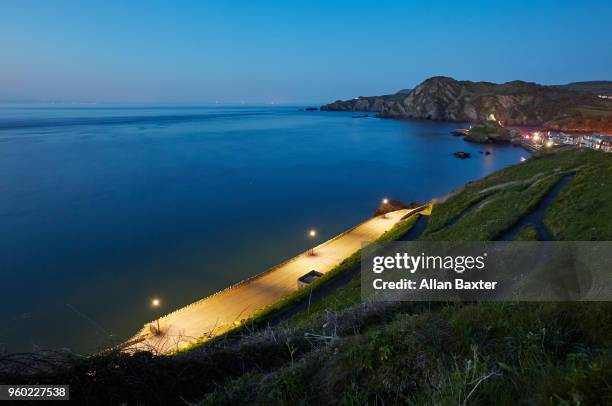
(102, 209)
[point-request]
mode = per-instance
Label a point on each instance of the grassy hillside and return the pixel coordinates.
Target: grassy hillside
(593, 117)
(339, 350)
(490, 353)
(599, 87)
(466, 354)
(484, 209)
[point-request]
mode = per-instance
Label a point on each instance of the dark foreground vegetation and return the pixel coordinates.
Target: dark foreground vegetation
(339, 350)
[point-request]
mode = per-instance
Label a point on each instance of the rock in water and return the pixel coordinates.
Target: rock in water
(477, 138)
(462, 155)
(460, 132)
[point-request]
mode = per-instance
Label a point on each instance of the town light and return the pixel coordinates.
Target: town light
(385, 201)
(549, 144)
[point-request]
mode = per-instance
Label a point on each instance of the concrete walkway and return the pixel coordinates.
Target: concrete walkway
(223, 310)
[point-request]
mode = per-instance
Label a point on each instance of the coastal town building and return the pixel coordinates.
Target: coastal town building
(605, 143)
(596, 141)
(590, 141)
(563, 138)
(537, 140)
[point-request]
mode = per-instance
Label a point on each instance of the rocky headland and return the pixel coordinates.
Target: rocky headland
(573, 107)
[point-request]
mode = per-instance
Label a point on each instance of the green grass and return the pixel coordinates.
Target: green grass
(527, 233)
(583, 209)
(495, 214)
(489, 206)
(487, 130)
(473, 354)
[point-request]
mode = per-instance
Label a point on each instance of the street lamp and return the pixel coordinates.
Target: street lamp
(156, 303)
(312, 234)
(385, 202)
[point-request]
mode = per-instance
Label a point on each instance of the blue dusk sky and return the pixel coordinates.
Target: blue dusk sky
(291, 51)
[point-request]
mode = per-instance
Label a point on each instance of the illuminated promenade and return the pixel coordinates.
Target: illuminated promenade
(220, 312)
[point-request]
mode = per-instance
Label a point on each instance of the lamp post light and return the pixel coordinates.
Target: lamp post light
(385, 202)
(155, 303)
(312, 234)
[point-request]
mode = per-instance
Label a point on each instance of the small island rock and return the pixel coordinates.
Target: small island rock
(462, 155)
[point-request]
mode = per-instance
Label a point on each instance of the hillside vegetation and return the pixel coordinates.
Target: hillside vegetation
(489, 353)
(599, 87)
(339, 350)
(484, 209)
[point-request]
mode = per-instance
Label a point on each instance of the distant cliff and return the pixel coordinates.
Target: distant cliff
(366, 103)
(514, 103)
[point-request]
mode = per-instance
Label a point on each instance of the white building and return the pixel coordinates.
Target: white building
(597, 141)
(604, 142)
(562, 138)
(590, 141)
